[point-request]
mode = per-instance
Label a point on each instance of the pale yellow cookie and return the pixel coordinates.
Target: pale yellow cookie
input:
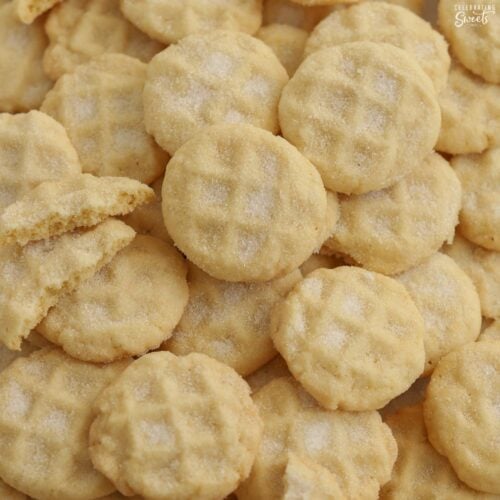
(351, 109)
(169, 21)
(391, 230)
(100, 105)
(243, 204)
(35, 276)
(56, 207)
(23, 83)
(356, 448)
(213, 78)
(420, 472)
(383, 22)
(8, 493)
(176, 427)
(353, 338)
(473, 31)
(413, 396)
(461, 411)
(46, 402)
(292, 14)
(448, 302)
(287, 42)
(317, 261)
(127, 308)
(480, 214)
(34, 148)
(470, 112)
(28, 10)
(230, 322)
(483, 268)
(80, 30)
(276, 368)
(492, 332)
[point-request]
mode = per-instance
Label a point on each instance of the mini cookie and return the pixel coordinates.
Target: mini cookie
(382, 22)
(100, 105)
(352, 111)
(243, 204)
(352, 338)
(391, 230)
(448, 302)
(8, 493)
(292, 14)
(190, 428)
(287, 42)
(80, 30)
(480, 213)
(413, 396)
(28, 10)
(483, 268)
(35, 276)
(219, 77)
(56, 207)
(470, 111)
(461, 413)
(168, 21)
(34, 148)
(492, 332)
(476, 45)
(230, 322)
(276, 368)
(46, 402)
(421, 472)
(317, 261)
(127, 308)
(356, 449)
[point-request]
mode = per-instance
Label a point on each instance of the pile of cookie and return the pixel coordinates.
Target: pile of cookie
(249, 249)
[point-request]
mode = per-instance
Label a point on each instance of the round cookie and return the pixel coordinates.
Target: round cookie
(100, 105)
(385, 23)
(470, 112)
(461, 413)
(230, 322)
(356, 449)
(352, 111)
(80, 30)
(33, 148)
(292, 14)
(23, 84)
(480, 213)
(129, 307)
(351, 337)
(483, 268)
(492, 332)
(391, 230)
(46, 402)
(287, 42)
(169, 21)
(448, 302)
(213, 78)
(476, 45)
(190, 429)
(276, 368)
(421, 472)
(243, 204)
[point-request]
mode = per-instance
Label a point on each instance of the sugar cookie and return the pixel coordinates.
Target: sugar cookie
(448, 302)
(35, 276)
(480, 213)
(287, 42)
(293, 14)
(317, 261)
(242, 204)
(28, 10)
(383, 22)
(80, 30)
(219, 77)
(352, 111)
(230, 322)
(391, 230)
(21, 50)
(461, 413)
(476, 45)
(46, 402)
(276, 368)
(100, 105)
(492, 332)
(8, 493)
(190, 429)
(413, 396)
(351, 337)
(56, 207)
(470, 111)
(169, 21)
(33, 148)
(356, 448)
(483, 268)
